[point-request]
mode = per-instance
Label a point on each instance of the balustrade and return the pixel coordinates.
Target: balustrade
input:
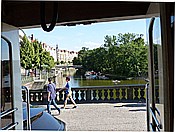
(94, 94)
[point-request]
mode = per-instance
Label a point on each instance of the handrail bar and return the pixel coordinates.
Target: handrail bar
(147, 104)
(104, 87)
(28, 107)
(151, 65)
(158, 112)
(151, 126)
(9, 111)
(159, 126)
(8, 127)
(115, 86)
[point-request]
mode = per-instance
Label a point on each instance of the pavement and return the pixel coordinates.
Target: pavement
(103, 117)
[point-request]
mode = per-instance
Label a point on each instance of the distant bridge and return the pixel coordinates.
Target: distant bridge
(68, 66)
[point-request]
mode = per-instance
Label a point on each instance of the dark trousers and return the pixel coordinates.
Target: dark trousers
(55, 105)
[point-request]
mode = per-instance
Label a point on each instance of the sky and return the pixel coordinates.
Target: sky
(73, 38)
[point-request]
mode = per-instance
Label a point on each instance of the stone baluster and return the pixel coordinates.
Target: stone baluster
(94, 94)
(100, 95)
(135, 94)
(124, 94)
(117, 94)
(76, 95)
(106, 94)
(82, 95)
(111, 94)
(31, 97)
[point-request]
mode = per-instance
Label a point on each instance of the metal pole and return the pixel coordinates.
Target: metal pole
(147, 106)
(151, 52)
(28, 107)
(28, 110)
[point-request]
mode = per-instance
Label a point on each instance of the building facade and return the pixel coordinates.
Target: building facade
(65, 56)
(61, 56)
(51, 50)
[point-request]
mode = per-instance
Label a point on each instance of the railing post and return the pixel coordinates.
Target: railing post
(44, 97)
(130, 94)
(88, 95)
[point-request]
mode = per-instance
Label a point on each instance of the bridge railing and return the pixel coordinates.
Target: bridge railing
(26, 79)
(96, 94)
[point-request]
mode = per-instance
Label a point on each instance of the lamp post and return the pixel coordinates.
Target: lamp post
(33, 68)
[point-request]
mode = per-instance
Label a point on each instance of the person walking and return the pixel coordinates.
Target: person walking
(68, 93)
(51, 89)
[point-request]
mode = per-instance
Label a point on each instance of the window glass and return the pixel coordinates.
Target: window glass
(6, 89)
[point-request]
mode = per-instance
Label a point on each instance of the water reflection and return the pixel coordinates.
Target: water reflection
(61, 78)
(79, 80)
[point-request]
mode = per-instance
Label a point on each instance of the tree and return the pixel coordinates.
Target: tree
(26, 53)
(32, 55)
(47, 60)
(131, 57)
(38, 51)
(110, 40)
(81, 55)
(124, 55)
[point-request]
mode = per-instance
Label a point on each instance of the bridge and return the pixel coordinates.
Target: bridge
(68, 66)
(103, 117)
(102, 108)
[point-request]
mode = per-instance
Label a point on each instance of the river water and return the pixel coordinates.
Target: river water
(80, 81)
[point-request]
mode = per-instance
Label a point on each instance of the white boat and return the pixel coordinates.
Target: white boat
(90, 75)
(116, 81)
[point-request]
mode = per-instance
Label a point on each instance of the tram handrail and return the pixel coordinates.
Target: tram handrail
(151, 126)
(28, 107)
(158, 112)
(158, 125)
(7, 112)
(147, 103)
(10, 126)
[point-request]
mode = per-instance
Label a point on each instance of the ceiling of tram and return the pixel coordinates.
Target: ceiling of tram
(22, 14)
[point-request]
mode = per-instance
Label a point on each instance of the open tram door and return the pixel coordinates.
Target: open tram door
(10, 78)
(160, 113)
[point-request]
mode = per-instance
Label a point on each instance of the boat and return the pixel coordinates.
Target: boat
(90, 75)
(116, 81)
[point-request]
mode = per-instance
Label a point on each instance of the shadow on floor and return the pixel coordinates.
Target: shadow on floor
(132, 105)
(137, 110)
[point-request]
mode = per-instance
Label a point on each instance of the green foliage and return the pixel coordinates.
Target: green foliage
(37, 53)
(124, 55)
(26, 53)
(32, 55)
(47, 60)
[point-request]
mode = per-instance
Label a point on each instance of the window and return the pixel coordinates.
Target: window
(6, 82)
